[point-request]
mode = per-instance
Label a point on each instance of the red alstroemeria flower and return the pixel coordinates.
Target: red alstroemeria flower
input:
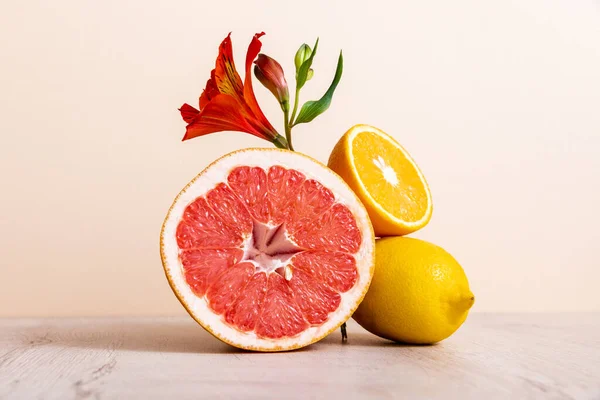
(227, 104)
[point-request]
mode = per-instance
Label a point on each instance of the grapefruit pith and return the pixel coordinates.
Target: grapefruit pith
(268, 249)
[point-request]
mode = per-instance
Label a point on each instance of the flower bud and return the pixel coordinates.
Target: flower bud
(270, 74)
(310, 74)
(303, 54)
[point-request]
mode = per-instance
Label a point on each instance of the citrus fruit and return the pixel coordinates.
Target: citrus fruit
(385, 178)
(268, 249)
(419, 293)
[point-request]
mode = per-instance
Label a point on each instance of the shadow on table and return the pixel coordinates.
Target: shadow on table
(171, 335)
(363, 338)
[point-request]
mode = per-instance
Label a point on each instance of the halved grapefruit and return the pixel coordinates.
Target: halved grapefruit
(268, 249)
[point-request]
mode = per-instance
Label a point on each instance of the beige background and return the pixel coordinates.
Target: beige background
(499, 103)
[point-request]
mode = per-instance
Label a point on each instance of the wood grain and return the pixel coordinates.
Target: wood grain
(493, 356)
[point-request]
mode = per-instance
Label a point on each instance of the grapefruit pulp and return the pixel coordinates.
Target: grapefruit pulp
(268, 249)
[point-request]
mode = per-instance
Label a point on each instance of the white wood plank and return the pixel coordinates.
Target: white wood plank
(526, 356)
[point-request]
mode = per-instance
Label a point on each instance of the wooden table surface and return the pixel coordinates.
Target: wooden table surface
(503, 356)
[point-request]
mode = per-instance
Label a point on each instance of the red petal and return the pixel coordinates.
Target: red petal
(260, 121)
(210, 91)
(222, 113)
(188, 113)
(225, 75)
(251, 54)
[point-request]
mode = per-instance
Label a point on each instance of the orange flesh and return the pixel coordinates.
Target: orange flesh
(390, 179)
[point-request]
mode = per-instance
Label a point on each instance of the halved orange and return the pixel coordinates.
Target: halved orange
(385, 178)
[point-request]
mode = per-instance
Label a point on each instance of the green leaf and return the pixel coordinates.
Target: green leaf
(312, 109)
(305, 67)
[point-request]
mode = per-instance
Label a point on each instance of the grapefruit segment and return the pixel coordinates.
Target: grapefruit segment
(280, 315)
(230, 209)
(244, 313)
(334, 230)
(202, 266)
(311, 200)
(337, 270)
(283, 185)
(227, 286)
(250, 185)
(202, 227)
(268, 250)
(315, 299)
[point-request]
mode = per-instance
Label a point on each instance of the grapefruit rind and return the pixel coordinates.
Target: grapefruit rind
(216, 173)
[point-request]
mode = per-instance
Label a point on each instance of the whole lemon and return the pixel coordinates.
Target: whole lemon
(419, 293)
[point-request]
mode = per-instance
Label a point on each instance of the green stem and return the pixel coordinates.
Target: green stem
(288, 128)
(296, 101)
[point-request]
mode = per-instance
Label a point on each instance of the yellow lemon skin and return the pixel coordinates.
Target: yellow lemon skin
(419, 293)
